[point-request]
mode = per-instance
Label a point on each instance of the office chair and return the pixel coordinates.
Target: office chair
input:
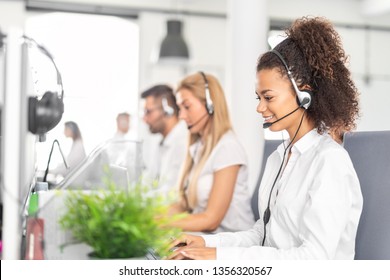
(370, 154)
(269, 147)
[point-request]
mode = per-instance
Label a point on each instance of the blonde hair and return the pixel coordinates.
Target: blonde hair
(218, 126)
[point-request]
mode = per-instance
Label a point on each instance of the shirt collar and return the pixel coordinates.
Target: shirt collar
(302, 145)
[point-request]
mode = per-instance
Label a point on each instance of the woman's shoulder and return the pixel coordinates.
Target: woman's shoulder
(229, 149)
(327, 143)
(230, 139)
(229, 144)
(330, 150)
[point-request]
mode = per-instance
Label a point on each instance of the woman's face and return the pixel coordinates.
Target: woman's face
(277, 99)
(192, 111)
(68, 132)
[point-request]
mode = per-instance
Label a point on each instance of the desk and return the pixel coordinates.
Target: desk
(51, 206)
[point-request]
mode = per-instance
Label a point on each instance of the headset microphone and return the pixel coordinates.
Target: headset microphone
(198, 121)
(304, 102)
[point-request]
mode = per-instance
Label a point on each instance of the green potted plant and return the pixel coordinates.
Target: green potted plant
(119, 223)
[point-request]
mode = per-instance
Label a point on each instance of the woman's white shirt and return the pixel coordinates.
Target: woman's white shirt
(227, 152)
(315, 207)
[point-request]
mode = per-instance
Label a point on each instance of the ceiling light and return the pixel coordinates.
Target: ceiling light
(174, 49)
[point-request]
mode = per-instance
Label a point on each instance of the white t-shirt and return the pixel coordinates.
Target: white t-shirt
(227, 152)
(315, 206)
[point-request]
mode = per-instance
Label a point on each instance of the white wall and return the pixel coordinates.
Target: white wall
(205, 37)
(12, 14)
(339, 11)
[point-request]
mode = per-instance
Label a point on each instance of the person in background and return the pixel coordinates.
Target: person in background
(122, 150)
(310, 200)
(77, 152)
(161, 115)
(213, 183)
(122, 125)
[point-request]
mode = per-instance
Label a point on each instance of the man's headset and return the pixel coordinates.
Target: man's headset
(303, 97)
(209, 102)
(45, 113)
(167, 109)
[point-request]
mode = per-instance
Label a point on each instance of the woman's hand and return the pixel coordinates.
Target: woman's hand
(195, 253)
(185, 241)
(189, 241)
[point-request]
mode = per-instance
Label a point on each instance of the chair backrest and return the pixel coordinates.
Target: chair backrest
(370, 154)
(269, 147)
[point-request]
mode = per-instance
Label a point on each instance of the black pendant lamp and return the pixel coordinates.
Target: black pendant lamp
(173, 48)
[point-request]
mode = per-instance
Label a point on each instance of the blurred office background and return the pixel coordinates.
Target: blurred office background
(107, 52)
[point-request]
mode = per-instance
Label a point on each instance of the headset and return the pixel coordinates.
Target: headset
(303, 97)
(45, 113)
(209, 102)
(167, 109)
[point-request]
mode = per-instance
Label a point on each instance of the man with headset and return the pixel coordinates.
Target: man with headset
(161, 115)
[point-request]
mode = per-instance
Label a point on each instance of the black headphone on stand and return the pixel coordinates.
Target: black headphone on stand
(45, 113)
(304, 97)
(209, 102)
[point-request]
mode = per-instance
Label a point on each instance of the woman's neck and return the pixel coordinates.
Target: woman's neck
(300, 130)
(204, 132)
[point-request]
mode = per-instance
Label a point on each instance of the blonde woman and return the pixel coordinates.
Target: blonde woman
(213, 182)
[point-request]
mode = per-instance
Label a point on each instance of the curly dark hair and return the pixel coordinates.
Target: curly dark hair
(314, 53)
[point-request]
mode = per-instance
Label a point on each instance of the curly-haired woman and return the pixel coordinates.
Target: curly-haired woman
(310, 199)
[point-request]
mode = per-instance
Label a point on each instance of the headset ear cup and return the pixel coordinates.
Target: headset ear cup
(210, 108)
(45, 114)
(168, 110)
(304, 99)
(209, 102)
